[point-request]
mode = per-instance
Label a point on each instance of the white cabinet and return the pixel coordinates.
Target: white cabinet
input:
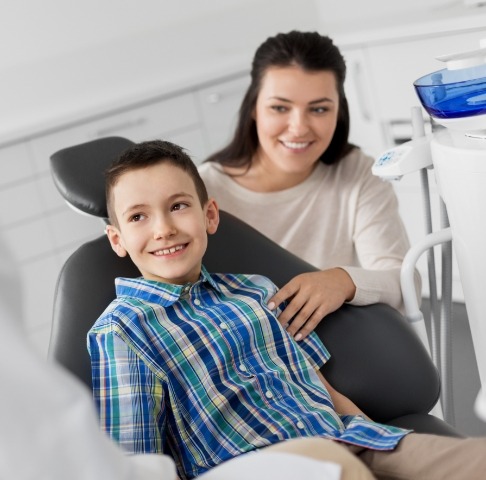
(166, 118)
(365, 125)
(219, 105)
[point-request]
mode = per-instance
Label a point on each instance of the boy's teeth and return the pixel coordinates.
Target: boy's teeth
(167, 251)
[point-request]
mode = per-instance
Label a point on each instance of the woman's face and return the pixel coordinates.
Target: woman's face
(296, 115)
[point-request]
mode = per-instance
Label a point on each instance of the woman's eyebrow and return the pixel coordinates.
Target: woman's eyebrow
(321, 100)
(312, 102)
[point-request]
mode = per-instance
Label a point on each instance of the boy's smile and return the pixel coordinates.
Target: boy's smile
(161, 223)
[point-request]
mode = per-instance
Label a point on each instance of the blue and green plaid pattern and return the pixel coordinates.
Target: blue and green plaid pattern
(208, 374)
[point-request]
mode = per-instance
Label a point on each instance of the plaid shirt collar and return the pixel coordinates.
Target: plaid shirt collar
(164, 294)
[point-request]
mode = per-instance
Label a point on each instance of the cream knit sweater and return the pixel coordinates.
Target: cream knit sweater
(341, 216)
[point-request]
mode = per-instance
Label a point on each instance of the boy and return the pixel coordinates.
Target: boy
(197, 365)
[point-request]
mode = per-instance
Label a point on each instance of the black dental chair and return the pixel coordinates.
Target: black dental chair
(376, 358)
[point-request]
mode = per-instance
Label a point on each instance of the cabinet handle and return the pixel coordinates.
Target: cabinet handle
(106, 131)
(214, 98)
(360, 89)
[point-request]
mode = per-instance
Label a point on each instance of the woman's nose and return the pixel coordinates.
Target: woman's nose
(298, 124)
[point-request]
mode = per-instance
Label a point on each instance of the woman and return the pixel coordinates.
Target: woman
(291, 173)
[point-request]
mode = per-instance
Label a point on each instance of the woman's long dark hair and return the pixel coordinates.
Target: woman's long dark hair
(310, 51)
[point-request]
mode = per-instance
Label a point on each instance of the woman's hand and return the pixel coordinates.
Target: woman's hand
(311, 296)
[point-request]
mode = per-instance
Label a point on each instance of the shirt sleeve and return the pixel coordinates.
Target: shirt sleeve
(129, 397)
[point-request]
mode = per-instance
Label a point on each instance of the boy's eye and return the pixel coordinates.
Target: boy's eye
(179, 206)
(137, 217)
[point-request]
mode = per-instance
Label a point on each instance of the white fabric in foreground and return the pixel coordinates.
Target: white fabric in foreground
(49, 429)
(283, 466)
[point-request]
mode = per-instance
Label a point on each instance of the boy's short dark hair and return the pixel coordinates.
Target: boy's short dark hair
(146, 154)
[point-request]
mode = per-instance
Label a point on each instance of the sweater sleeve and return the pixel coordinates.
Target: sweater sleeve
(381, 243)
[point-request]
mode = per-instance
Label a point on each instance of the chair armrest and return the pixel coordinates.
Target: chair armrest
(378, 361)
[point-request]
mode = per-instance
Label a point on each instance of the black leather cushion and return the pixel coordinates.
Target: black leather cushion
(78, 172)
(375, 352)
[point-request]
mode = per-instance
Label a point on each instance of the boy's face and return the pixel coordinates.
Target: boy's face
(161, 223)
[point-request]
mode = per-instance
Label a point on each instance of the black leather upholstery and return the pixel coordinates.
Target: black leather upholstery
(377, 360)
(73, 168)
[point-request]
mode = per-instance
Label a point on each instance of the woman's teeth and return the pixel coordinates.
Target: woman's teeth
(296, 144)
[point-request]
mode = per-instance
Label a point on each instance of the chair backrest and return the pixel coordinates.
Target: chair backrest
(377, 360)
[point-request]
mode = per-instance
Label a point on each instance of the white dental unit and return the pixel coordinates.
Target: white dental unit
(455, 98)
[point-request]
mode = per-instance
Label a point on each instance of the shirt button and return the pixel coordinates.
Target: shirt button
(197, 302)
(300, 425)
(242, 368)
(269, 394)
(223, 326)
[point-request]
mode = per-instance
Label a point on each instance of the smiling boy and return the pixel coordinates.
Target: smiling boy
(195, 364)
(161, 217)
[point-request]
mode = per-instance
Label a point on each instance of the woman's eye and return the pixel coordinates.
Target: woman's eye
(279, 108)
(320, 109)
(179, 206)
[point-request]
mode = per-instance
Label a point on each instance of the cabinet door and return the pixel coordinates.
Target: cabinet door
(159, 119)
(22, 204)
(366, 129)
(171, 119)
(219, 105)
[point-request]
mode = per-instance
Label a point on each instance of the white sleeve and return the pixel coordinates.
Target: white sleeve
(49, 427)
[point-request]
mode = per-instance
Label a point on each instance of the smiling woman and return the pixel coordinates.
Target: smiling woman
(290, 153)
(295, 115)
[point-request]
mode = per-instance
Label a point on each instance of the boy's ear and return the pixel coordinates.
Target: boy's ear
(114, 237)
(212, 216)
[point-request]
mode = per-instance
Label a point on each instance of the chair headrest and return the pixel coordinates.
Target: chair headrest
(78, 172)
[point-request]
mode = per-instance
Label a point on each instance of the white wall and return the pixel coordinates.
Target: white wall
(346, 16)
(58, 56)
(31, 30)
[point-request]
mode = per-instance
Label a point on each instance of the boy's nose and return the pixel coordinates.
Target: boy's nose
(164, 229)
